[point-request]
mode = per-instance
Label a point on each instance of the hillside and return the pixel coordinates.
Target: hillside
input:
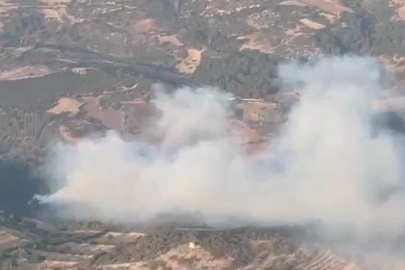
(72, 70)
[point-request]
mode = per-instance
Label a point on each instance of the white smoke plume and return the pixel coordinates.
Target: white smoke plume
(329, 164)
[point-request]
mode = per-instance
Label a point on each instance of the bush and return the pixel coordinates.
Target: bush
(36, 258)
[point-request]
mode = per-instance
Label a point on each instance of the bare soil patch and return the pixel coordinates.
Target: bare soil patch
(254, 20)
(330, 6)
(257, 42)
(66, 105)
(311, 24)
(184, 258)
(26, 72)
(173, 40)
(55, 2)
(399, 6)
(143, 26)
(58, 14)
(110, 118)
(6, 237)
(191, 62)
(292, 3)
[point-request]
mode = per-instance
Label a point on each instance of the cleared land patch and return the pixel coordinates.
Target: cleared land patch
(110, 118)
(24, 72)
(311, 24)
(191, 62)
(65, 104)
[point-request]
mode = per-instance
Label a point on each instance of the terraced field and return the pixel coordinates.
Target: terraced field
(32, 244)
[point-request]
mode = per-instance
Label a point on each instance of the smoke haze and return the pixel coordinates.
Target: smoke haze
(328, 164)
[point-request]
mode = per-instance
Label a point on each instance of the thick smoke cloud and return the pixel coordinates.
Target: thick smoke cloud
(329, 163)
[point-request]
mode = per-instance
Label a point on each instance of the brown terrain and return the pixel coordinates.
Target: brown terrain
(37, 245)
(70, 69)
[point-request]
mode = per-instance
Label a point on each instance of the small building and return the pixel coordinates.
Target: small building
(260, 111)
